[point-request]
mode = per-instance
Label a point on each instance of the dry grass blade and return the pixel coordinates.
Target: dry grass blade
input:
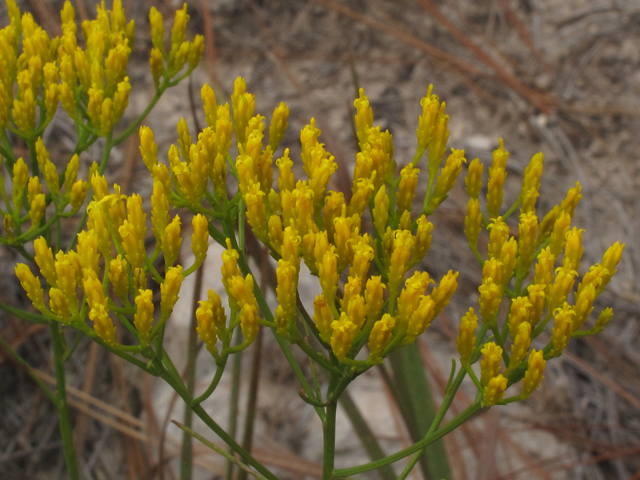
(534, 98)
(524, 33)
(405, 37)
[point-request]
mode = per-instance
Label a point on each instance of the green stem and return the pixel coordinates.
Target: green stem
(218, 450)
(252, 400)
(366, 436)
(66, 431)
(427, 440)
(176, 384)
(233, 402)
(186, 459)
(329, 434)
(124, 135)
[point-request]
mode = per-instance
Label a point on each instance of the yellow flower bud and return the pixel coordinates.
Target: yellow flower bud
(570, 202)
(98, 223)
(169, 290)
(87, 249)
(34, 188)
(59, 305)
(36, 210)
(498, 235)
(381, 210)
(447, 178)
(243, 104)
(159, 211)
(51, 99)
(422, 239)
(171, 242)
(405, 222)
(286, 180)
(610, 261)
(184, 138)
(492, 269)
(421, 318)
(118, 276)
(143, 318)
(195, 52)
(157, 28)
(31, 286)
(256, 211)
(200, 237)
(374, 298)
(490, 299)
(426, 123)
(362, 256)
(207, 331)
(103, 325)
(438, 142)
(562, 329)
(603, 320)
(344, 331)
(533, 376)
(409, 299)
(573, 249)
(139, 279)
(559, 234)
(472, 223)
(65, 93)
(537, 300)
(209, 105)
(71, 173)
(494, 391)
(521, 344)
(156, 65)
(444, 291)
(328, 275)
(402, 243)
(544, 268)
(116, 65)
(249, 322)
(44, 259)
(24, 112)
(518, 314)
(595, 276)
(333, 207)
(380, 336)
(179, 28)
(407, 187)
(583, 306)
(363, 118)
(490, 363)
(473, 180)
(466, 340)
(497, 177)
(286, 293)
(278, 125)
(121, 99)
(531, 183)
(323, 318)
(528, 231)
(561, 287)
(275, 232)
(508, 260)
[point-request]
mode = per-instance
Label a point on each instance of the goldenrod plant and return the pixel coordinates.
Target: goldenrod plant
(367, 249)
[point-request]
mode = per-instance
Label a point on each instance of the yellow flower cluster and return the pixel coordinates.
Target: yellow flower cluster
(93, 87)
(507, 268)
(303, 219)
(115, 238)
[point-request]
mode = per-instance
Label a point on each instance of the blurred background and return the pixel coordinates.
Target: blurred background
(557, 76)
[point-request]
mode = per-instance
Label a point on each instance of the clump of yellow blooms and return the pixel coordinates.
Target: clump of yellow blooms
(366, 247)
(84, 70)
